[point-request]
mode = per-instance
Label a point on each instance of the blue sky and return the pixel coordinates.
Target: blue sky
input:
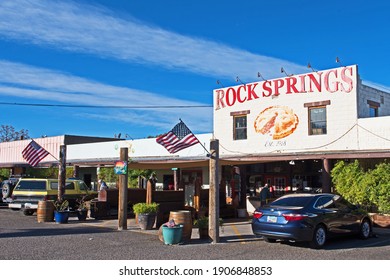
(164, 53)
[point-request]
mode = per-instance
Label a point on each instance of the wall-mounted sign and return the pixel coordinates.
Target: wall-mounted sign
(120, 167)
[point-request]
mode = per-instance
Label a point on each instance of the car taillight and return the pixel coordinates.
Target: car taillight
(294, 217)
(257, 215)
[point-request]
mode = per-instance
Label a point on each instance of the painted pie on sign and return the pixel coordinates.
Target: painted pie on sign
(279, 121)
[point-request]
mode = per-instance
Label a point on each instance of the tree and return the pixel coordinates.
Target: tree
(350, 181)
(369, 188)
(8, 133)
(108, 175)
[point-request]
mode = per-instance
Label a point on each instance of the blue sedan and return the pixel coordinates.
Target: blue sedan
(311, 218)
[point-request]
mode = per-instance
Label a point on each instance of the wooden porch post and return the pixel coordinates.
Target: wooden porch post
(214, 191)
(326, 178)
(61, 173)
(122, 200)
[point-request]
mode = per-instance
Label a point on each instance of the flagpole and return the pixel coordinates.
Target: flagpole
(208, 153)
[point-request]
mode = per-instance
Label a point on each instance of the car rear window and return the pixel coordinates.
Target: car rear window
(297, 201)
(31, 185)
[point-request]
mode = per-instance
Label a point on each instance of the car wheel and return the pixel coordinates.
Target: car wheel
(319, 237)
(6, 190)
(28, 212)
(269, 240)
(365, 229)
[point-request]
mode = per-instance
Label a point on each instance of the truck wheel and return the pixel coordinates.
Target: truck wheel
(6, 190)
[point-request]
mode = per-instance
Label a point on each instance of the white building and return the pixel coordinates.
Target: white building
(294, 126)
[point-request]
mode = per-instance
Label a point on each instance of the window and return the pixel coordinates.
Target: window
(240, 124)
(317, 117)
(240, 127)
(317, 120)
(68, 186)
(324, 203)
(31, 185)
(373, 111)
(373, 108)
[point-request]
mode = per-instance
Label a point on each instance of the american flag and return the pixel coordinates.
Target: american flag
(179, 138)
(33, 153)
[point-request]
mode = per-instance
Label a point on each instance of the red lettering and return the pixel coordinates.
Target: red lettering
(347, 79)
(220, 96)
(231, 101)
(239, 94)
(291, 82)
(313, 80)
(279, 83)
(327, 82)
(251, 91)
(303, 88)
(267, 89)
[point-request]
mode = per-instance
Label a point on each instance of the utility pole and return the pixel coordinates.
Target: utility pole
(214, 191)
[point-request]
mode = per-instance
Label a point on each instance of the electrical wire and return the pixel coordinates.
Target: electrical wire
(311, 148)
(107, 106)
(373, 133)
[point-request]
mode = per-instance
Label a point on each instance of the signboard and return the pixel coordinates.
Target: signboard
(120, 168)
(289, 114)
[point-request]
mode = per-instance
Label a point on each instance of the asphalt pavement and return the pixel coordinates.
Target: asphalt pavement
(232, 230)
(238, 229)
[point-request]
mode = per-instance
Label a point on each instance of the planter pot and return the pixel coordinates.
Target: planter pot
(203, 233)
(146, 220)
(172, 235)
(183, 217)
(381, 220)
(61, 217)
(82, 214)
(242, 213)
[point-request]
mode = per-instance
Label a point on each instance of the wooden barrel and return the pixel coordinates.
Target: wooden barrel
(45, 211)
(183, 217)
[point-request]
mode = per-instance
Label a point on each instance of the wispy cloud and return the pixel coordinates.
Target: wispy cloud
(95, 30)
(23, 81)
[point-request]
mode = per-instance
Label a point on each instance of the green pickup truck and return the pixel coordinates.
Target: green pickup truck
(29, 191)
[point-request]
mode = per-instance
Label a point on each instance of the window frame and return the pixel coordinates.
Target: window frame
(236, 115)
(317, 105)
(373, 106)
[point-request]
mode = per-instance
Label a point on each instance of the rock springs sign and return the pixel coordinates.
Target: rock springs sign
(329, 81)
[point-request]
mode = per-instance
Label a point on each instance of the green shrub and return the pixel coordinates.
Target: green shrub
(203, 222)
(369, 188)
(380, 190)
(145, 208)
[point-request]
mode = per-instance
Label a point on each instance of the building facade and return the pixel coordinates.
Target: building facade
(290, 130)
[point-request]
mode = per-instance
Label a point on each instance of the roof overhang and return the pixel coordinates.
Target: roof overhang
(191, 162)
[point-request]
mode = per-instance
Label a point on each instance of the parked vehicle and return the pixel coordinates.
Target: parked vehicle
(29, 191)
(311, 218)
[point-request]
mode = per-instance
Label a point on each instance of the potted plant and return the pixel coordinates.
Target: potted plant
(203, 226)
(172, 233)
(61, 211)
(146, 214)
(82, 208)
